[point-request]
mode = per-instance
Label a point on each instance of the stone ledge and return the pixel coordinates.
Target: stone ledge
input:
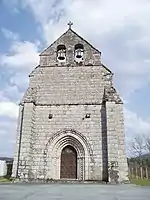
(66, 181)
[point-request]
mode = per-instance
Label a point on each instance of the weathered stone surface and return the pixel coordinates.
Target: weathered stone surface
(70, 103)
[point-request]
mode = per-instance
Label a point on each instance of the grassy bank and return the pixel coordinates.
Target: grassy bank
(143, 182)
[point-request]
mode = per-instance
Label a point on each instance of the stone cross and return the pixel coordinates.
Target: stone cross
(70, 24)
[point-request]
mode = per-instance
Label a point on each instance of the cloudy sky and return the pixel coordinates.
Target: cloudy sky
(119, 29)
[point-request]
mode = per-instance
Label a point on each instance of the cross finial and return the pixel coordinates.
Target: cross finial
(70, 24)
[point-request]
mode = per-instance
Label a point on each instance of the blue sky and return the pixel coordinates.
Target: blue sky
(119, 29)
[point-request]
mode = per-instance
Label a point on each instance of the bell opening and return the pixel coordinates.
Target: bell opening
(61, 58)
(79, 56)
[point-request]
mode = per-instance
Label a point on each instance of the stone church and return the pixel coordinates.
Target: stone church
(71, 123)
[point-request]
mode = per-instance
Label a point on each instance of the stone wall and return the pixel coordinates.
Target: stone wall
(83, 89)
(103, 136)
(63, 117)
(68, 85)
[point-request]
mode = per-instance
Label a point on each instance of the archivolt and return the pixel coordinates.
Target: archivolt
(68, 139)
(60, 140)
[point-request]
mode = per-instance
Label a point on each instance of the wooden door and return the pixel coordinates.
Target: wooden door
(68, 163)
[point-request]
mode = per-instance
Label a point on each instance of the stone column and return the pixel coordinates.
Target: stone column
(25, 161)
(112, 135)
(122, 158)
(116, 139)
(18, 140)
(112, 140)
(104, 142)
(80, 168)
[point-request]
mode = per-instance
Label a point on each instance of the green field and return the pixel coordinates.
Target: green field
(143, 182)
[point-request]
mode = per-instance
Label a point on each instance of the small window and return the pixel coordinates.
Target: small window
(61, 53)
(79, 52)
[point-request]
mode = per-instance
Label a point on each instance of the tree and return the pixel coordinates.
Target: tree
(147, 143)
(138, 146)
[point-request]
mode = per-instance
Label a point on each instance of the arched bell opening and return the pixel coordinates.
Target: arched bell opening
(79, 52)
(61, 53)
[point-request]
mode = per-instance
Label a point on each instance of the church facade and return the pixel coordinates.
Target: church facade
(71, 123)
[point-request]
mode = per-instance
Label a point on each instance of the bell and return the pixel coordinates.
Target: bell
(61, 55)
(79, 53)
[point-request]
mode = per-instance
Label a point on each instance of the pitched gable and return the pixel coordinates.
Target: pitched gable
(69, 35)
(70, 39)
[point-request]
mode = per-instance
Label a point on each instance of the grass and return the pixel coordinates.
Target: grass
(5, 180)
(142, 182)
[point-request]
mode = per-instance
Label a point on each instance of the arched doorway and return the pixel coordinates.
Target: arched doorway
(68, 167)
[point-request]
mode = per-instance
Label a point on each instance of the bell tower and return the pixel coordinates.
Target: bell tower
(70, 113)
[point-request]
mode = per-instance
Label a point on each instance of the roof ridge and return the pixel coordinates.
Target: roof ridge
(54, 41)
(76, 35)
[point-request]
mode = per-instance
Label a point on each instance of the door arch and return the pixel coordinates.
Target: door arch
(68, 165)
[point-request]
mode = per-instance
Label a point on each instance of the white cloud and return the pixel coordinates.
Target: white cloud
(8, 109)
(9, 34)
(22, 55)
(21, 58)
(118, 28)
(99, 16)
(13, 92)
(8, 127)
(135, 124)
(20, 80)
